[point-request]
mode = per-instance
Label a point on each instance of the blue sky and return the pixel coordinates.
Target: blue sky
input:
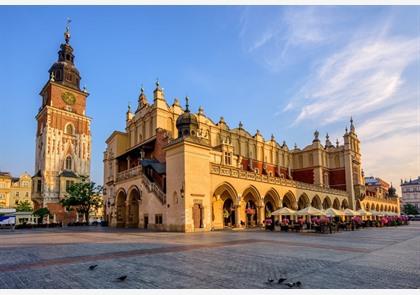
(286, 70)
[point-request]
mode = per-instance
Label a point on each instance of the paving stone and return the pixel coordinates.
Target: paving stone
(59, 258)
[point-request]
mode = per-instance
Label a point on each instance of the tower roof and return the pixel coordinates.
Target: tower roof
(186, 122)
(63, 70)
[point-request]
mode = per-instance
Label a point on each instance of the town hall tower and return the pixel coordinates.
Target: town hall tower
(63, 139)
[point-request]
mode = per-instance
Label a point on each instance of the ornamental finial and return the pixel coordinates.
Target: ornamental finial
(316, 135)
(187, 104)
(67, 32)
(351, 125)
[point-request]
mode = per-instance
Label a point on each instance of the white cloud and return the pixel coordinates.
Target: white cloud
(368, 78)
(365, 75)
(272, 37)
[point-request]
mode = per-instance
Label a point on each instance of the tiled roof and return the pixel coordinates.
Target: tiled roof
(68, 173)
(156, 165)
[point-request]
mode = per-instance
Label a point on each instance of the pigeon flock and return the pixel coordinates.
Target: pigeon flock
(270, 281)
(282, 280)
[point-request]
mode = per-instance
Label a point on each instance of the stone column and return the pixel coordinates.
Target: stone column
(261, 214)
(238, 209)
(237, 216)
(127, 213)
(128, 162)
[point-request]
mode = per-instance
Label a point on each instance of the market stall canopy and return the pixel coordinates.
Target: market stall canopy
(376, 213)
(284, 211)
(349, 212)
(362, 212)
(333, 212)
(310, 211)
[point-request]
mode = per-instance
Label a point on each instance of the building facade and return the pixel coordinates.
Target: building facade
(178, 171)
(380, 196)
(410, 191)
(63, 139)
(5, 185)
(14, 190)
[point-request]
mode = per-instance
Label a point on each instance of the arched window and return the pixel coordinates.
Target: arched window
(68, 163)
(69, 129)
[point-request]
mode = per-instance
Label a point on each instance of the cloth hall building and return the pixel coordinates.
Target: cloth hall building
(175, 170)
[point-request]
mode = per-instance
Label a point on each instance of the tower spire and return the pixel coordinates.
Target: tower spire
(352, 129)
(65, 72)
(67, 32)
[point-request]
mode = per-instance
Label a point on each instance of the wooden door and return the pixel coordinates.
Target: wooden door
(197, 215)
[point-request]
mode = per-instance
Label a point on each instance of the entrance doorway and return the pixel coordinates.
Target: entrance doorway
(146, 221)
(251, 214)
(198, 216)
(228, 213)
(269, 208)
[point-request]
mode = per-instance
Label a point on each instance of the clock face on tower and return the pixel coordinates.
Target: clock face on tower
(68, 98)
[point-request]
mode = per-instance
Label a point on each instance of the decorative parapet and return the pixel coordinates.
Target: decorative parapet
(239, 173)
(379, 200)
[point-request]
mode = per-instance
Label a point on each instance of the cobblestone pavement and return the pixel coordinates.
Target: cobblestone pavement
(60, 258)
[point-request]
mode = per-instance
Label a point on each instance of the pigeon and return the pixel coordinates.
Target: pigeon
(281, 280)
(122, 278)
(298, 284)
(92, 267)
(290, 285)
(269, 281)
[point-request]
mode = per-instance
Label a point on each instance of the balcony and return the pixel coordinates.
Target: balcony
(127, 174)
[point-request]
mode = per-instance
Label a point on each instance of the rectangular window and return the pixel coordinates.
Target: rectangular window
(158, 219)
(39, 185)
(228, 158)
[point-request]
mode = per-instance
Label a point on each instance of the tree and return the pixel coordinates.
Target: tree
(83, 197)
(41, 212)
(410, 209)
(24, 206)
